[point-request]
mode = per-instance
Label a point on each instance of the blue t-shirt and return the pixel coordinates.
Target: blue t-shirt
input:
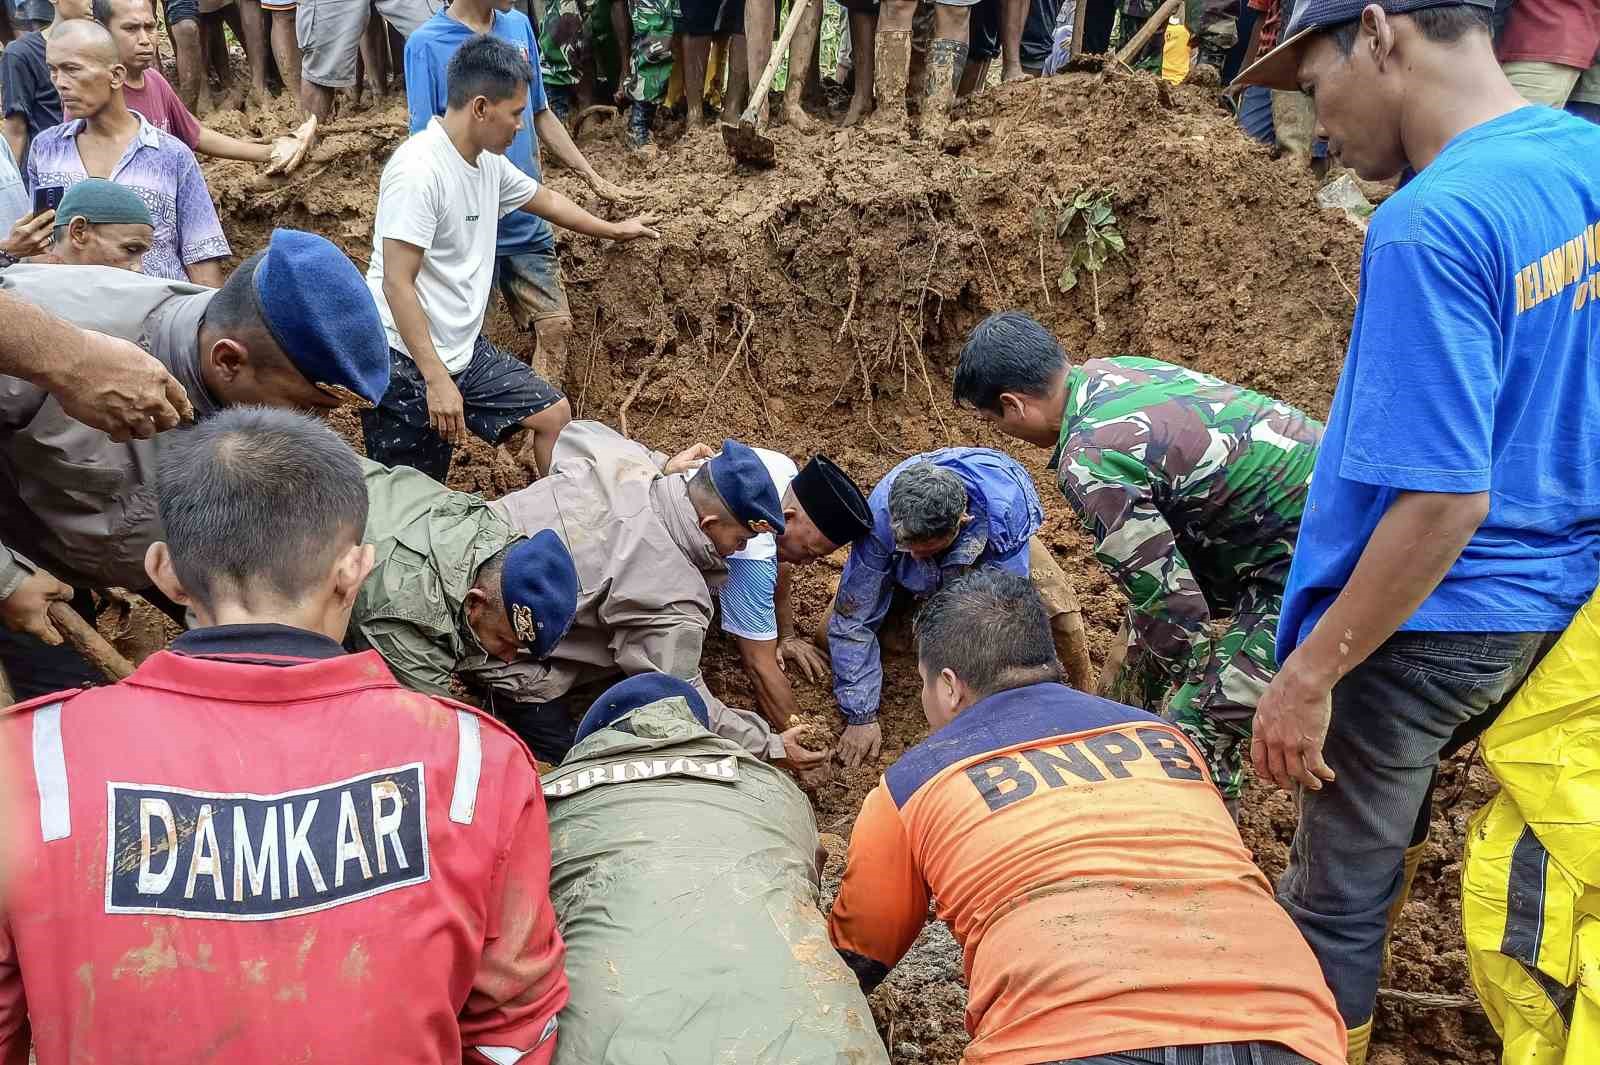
(1474, 366)
(428, 53)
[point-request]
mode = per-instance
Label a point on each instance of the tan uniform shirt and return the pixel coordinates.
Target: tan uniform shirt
(79, 504)
(643, 567)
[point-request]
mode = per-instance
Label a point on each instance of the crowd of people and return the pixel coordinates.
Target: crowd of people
(287, 835)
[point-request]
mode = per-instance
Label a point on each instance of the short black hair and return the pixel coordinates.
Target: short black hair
(990, 628)
(705, 497)
(258, 498)
(490, 578)
(1444, 24)
(926, 503)
(1009, 351)
(235, 308)
(486, 66)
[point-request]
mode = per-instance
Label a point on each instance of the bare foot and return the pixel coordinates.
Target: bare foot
(1014, 74)
(796, 118)
(692, 121)
(860, 107)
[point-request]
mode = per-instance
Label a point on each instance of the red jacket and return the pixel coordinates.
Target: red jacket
(260, 850)
(1552, 31)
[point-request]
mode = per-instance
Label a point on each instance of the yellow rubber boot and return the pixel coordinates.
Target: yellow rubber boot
(1413, 861)
(1358, 1039)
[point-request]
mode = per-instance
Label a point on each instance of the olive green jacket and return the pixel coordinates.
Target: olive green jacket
(684, 873)
(430, 542)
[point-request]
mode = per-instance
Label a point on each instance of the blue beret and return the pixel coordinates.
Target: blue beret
(642, 689)
(540, 586)
(318, 308)
(745, 485)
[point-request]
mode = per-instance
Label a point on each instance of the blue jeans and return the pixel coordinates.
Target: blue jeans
(1255, 115)
(1420, 695)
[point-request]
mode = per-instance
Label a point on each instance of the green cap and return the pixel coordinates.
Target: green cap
(101, 202)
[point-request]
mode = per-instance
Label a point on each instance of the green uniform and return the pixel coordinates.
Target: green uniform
(430, 544)
(684, 875)
(1193, 489)
(653, 23)
(562, 36)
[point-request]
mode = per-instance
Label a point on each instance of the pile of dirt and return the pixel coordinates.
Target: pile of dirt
(821, 306)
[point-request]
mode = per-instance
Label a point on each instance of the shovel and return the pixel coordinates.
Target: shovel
(746, 143)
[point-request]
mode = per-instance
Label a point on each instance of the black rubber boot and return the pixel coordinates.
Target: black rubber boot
(560, 98)
(640, 116)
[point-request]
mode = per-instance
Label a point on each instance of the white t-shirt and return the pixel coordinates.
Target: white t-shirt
(431, 197)
(782, 470)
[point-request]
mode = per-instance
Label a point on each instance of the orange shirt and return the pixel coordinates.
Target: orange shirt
(1100, 893)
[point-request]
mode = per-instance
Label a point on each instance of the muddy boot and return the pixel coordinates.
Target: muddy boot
(560, 99)
(945, 60)
(891, 69)
(640, 116)
(1358, 1039)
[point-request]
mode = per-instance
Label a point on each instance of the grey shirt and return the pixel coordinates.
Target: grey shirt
(82, 506)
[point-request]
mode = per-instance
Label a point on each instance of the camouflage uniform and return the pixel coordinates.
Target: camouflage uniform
(653, 23)
(1193, 490)
(1214, 25)
(562, 38)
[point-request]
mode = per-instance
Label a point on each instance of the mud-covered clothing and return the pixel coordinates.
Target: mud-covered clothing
(1005, 513)
(430, 543)
(83, 506)
(1193, 490)
(643, 566)
(1098, 887)
(259, 849)
(684, 876)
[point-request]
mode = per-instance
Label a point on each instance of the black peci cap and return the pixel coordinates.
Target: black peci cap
(836, 506)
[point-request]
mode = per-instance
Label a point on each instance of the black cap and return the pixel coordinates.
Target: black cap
(836, 506)
(1279, 68)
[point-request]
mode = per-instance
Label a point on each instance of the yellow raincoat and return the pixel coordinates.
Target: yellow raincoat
(1530, 899)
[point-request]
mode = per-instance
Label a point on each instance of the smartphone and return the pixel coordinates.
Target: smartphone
(47, 198)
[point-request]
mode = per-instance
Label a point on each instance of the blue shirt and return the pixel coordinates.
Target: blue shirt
(1474, 366)
(1005, 513)
(428, 53)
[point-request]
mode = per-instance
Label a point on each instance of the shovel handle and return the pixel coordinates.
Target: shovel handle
(89, 643)
(1152, 24)
(779, 50)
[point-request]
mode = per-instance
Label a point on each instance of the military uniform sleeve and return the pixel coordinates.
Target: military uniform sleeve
(412, 658)
(866, 588)
(521, 983)
(1112, 494)
(883, 900)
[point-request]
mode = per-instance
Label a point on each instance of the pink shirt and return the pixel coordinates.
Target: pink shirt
(161, 107)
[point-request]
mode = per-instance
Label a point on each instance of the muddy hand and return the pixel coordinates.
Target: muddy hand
(288, 152)
(860, 743)
(804, 656)
(688, 459)
(634, 228)
(610, 190)
(28, 608)
(800, 758)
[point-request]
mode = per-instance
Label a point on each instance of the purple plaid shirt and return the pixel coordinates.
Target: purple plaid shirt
(163, 172)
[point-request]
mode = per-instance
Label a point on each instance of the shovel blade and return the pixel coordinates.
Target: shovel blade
(749, 145)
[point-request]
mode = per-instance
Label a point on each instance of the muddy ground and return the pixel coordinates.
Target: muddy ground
(821, 305)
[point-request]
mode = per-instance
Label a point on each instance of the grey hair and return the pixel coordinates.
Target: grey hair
(926, 503)
(258, 499)
(989, 628)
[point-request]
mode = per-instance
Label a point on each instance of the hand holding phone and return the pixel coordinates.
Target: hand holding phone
(47, 198)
